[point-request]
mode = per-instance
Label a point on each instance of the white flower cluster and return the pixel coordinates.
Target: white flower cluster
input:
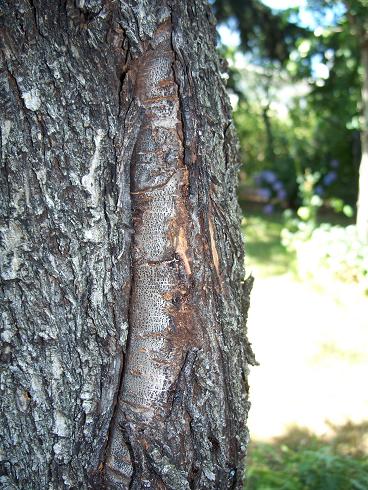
(335, 248)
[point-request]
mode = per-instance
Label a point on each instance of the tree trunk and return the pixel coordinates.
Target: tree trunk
(270, 150)
(124, 301)
(362, 205)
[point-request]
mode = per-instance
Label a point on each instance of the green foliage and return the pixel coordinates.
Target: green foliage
(322, 124)
(301, 461)
(312, 147)
(311, 201)
(335, 250)
(339, 206)
(252, 137)
(334, 100)
(266, 33)
(305, 469)
(310, 137)
(299, 226)
(249, 120)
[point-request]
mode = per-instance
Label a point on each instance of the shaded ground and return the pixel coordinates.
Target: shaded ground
(312, 345)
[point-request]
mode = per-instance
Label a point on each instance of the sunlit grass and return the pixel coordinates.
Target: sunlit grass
(311, 345)
(332, 351)
(263, 248)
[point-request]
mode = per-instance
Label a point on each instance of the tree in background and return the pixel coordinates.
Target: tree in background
(357, 14)
(124, 357)
(329, 61)
(314, 106)
(323, 125)
(267, 34)
(353, 28)
(268, 38)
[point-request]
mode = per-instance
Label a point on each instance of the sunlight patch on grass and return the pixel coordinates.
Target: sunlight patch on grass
(264, 253)
(332, 351)
(310, 340)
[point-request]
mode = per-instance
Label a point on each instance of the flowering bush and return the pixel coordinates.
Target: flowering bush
(271, 189)
(335, 249)
(312, 187)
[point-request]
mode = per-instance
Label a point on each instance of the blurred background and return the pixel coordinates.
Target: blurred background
(297, 76)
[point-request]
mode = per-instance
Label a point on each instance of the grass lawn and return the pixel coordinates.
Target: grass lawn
(312, 351)
(263, 247)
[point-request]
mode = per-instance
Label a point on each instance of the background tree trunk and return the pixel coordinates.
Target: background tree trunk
(124, 305)
(360, 30)
(362, 205)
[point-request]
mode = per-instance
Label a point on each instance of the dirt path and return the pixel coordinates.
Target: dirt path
(313, 355)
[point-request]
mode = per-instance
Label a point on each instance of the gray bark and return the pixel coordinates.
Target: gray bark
(124, 351)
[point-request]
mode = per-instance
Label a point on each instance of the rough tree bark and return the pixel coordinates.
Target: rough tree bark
(124, 352)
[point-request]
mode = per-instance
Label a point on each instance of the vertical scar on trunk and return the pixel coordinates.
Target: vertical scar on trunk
(215, 256)
(161, 321)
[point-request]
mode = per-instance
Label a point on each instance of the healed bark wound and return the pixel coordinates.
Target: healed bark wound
(162, 318)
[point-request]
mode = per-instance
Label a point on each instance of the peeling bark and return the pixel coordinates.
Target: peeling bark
(124, 305)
